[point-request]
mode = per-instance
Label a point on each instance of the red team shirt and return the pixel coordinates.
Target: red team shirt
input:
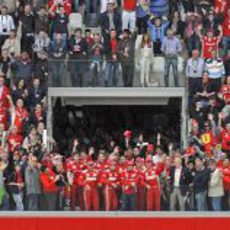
(130, 5)
(208, 45)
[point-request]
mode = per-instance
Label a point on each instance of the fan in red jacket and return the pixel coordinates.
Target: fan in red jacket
(209, 43)
(5, 97)
(48, 180)
(151, 181)
(225, 139)
(19, 115)
(110, 180)
(141, 190)
(4, 118)
(89, 180)
(14, 139)
(129, 181)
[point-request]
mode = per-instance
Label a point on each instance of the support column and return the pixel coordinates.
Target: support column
(184, 120)
(49, 123)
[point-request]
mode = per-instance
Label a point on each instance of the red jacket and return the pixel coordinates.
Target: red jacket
(151, 178)
(129, 181)
(225, 140)
(88, 177)
(110, 178)
(47, 181)
(226, 178)
(14, 140)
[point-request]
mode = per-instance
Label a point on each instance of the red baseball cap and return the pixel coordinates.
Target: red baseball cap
(128, 133)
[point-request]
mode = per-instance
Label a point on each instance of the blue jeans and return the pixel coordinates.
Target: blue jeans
(216, 203)
(171, 61)
(111, 74)
(226, 43)
(57, 72)
(201, 201)
(32, 202)
(128, 202)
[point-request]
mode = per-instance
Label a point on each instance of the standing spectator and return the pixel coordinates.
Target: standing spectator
(142, 16)
(226, 31)
(157, 27)
(89, 180)
(48, 179)
(216, 189)
(146, 60)
(16, 185)
(110, 20)
(42, 22)
(126, 52)
(171, 47)
(200, 182)
(57, 51)
(60, 23)
(194, 72)
(129, 180)
(32, 183)
(216, 72)
(129, 15)
(112, 63)
(78, 53)
(27, 21)
(6, 24)
(209, 43)
(152, 184)
(179, 183)
(36, 94)
(95, 52)
(23, 68)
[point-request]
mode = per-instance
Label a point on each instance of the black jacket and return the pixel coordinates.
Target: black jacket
(201, 180)
(184, 179)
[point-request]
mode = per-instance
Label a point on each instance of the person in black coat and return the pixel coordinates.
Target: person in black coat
(36, 94)
(106, 24)
(179, 180)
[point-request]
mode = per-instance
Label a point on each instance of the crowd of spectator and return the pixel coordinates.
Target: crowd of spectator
(23, 86)
(141, 176)
(116, 43)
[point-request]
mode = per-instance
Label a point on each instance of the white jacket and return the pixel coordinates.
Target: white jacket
(216, 184)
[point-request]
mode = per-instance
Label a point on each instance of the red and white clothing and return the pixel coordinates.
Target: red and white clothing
(4, 94)
(89, 180)
(129, 15)
(225, 140)
(4, 116)
(19, 115)
(110, 180)
(220, 5)
(67, 6)
(226, 26)
(151, 180)
(208, 45)
(129, 181)
(225, 90)
(14, 141)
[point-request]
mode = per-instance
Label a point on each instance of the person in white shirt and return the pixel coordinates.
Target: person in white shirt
(6, 24)
(146, 60)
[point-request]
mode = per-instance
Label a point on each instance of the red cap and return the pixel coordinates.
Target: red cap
(90, 162)
(111, 163)
(130, 163)
(150, 148)
(128, 133)
(149, 159)
(140, 160)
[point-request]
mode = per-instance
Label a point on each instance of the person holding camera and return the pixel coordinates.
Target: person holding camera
(6, 25)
